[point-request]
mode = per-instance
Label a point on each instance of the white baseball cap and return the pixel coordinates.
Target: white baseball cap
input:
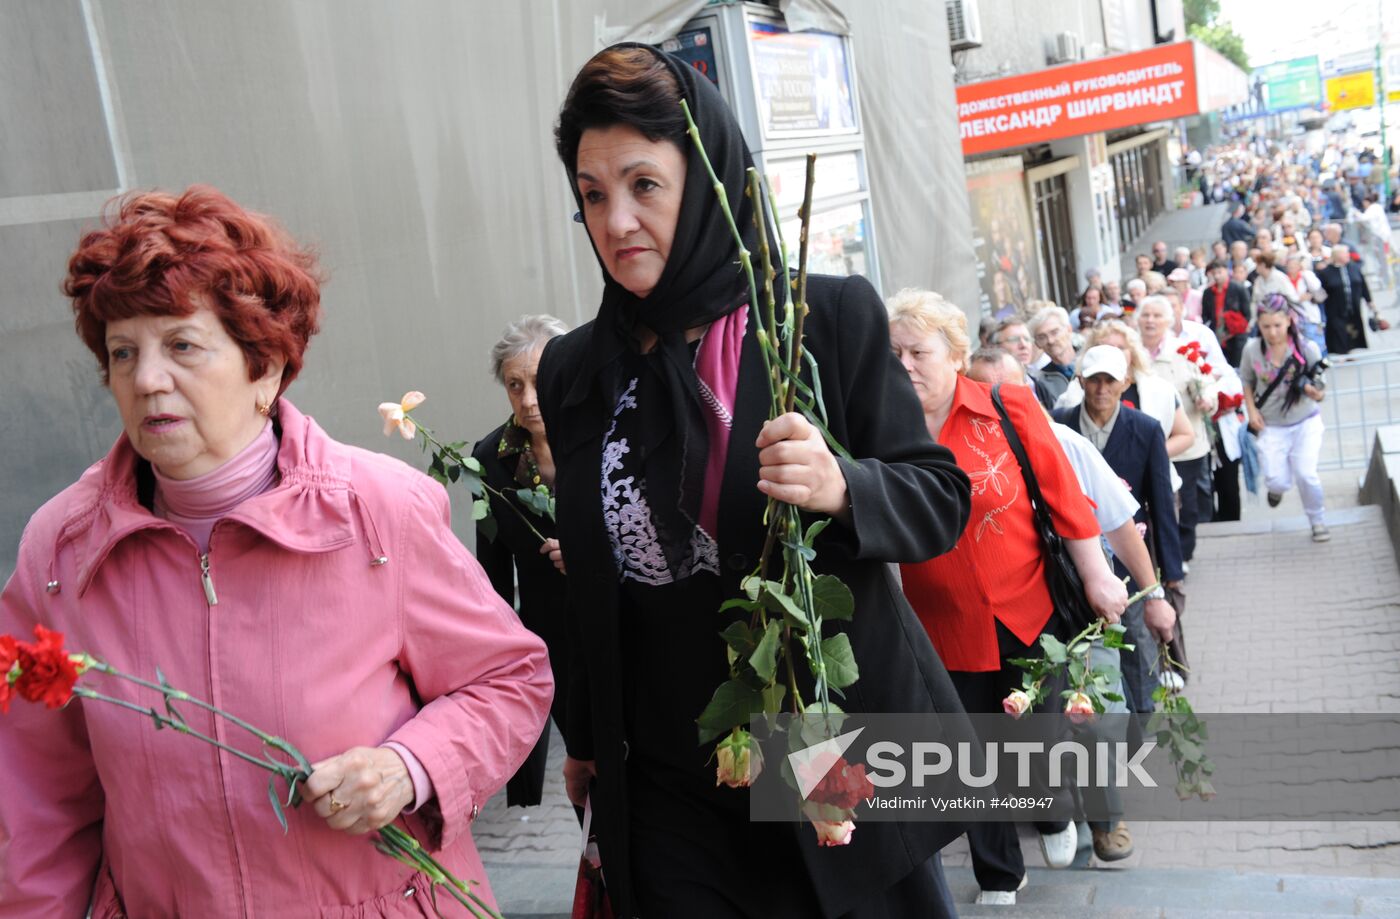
(1104, 359)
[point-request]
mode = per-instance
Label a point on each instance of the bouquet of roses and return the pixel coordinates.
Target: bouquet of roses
(43, 671)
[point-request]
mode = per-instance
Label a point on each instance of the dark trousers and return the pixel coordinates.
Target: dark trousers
(1226, 479)
(996, 849)
(1194, 495)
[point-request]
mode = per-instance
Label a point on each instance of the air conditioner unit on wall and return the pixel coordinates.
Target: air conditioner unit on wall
(1067, 48)
(964, 25)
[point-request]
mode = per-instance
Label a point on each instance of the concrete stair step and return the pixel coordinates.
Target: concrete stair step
(1183, 892)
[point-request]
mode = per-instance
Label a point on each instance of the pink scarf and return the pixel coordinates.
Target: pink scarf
(199, 503)
(717, 368)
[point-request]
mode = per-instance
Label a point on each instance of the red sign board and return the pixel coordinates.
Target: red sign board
(1099, 95)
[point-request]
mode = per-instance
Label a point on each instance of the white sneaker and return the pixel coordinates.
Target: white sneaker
(1058, 848)
(1001, 897)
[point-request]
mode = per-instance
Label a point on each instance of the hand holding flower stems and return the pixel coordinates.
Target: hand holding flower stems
(449, 464)
(790, 608)
(1178, 730)
(44, 672)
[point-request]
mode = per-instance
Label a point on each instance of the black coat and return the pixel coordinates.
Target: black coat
(1344, 315)
(1236, 300)
(514, 556)
(1137, 451)
(909, 502)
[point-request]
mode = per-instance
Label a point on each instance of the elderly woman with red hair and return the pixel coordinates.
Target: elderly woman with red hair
(311, 588)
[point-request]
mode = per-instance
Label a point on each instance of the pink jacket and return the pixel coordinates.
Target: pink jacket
(310, 640)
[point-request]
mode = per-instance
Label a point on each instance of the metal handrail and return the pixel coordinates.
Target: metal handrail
(1359, 400)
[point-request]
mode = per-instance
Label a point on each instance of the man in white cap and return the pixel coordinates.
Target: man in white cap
(1136, 449)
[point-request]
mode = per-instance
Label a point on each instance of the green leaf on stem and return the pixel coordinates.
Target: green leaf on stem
(738, 636)
(773, 698)
(1076, 672)
(839, 661)
(454, 472)
(733, 704)
(1055, 651)
(276, 803)
(815, 530)
(481, 513)
(780, 602)
(831, 598)
(474, 465)
(751, 585)
(764, 658)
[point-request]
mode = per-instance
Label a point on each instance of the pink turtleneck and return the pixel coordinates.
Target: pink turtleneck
(199, 503)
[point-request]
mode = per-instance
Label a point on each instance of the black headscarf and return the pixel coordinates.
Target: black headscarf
(702, 281)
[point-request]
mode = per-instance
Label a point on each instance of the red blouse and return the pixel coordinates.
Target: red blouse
(996, 571)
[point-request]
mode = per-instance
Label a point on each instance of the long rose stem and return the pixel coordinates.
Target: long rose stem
(457, 458)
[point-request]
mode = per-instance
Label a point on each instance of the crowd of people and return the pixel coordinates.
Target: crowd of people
(317, 588)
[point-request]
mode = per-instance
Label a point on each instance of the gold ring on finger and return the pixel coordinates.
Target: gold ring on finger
(337, 806)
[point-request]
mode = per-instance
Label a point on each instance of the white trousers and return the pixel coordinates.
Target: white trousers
(1290, 454)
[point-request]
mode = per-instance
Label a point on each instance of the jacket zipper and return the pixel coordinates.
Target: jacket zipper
(207, 580)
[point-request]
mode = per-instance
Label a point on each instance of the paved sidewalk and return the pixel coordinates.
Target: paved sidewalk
(1187, 226)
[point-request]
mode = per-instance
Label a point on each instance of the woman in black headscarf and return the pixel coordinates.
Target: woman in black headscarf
(662, 401)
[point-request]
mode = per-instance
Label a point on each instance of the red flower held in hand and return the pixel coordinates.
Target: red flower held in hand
(9, 656)
(47, 673)
(1235, 323)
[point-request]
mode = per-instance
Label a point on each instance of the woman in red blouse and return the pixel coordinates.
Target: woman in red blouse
(986, 600)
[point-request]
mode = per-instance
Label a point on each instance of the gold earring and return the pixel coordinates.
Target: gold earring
(265, 409)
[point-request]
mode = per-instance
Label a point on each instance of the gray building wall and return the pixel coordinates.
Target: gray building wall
(410, 142)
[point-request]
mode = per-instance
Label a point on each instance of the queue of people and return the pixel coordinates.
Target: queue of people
(318, 588)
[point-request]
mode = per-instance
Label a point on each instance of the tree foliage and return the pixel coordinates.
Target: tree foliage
(1223, 38)
(1203, 25)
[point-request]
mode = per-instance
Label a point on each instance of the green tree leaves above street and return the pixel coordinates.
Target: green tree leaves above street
(1203, 24)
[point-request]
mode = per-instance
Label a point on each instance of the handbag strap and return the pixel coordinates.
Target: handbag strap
(1278, 378)
(1013, 440)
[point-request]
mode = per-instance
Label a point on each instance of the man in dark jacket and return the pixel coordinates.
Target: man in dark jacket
(1346, 289)
(1134, 446)
(1237, 227)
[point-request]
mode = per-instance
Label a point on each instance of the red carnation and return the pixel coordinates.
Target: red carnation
(1205, 368)
(9, 654)
(1184, 349)
(47, 674)
(843, 786)
(1235, 323)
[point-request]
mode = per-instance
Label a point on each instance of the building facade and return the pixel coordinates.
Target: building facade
(1070, 111)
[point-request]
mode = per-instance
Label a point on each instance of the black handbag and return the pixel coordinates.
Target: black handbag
(1061, 577)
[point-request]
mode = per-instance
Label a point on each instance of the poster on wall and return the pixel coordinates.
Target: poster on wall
(1286, 85)
(1351, 90)
(697, 48)
(836, 240)
(803, 82)
(1007, 268)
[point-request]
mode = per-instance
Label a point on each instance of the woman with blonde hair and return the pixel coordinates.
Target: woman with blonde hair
(986, 602)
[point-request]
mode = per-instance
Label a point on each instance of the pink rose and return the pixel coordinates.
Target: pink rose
(834, 833)
(1016, 704)
(1080, 708)
(740, 760)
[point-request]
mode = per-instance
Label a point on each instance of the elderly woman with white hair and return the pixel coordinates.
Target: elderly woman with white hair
(1199, 394)
(986, 602)
(516, 456)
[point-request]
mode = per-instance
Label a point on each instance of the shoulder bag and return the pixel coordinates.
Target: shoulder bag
(1061, 577)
